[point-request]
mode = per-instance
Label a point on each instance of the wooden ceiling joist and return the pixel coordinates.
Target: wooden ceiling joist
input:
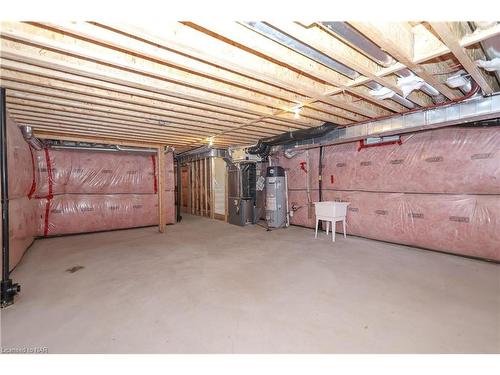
(71, 65)
(113, 90)
(108, 105)
(216, 55)
(180, 83)
(175, 79)
(152, 52)
(397, 40)
(107, 122)
(276, 52)
(451, 41)
(335, 49)
(425, 51)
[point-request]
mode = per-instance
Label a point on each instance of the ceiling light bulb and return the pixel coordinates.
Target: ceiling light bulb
(210, 141)
(296, 112)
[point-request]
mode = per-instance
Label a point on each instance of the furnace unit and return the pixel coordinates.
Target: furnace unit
(242, 194)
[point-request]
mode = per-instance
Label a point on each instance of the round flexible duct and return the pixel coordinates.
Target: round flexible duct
(264, 145)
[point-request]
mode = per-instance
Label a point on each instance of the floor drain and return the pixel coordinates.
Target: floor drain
(74, 269)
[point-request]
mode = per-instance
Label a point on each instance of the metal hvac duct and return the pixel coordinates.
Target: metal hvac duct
(354, 38)
(136, 149)
(296, 45)
(33, 141)
(201, 153)
(56, 145)
(471, 110)
(359, 41)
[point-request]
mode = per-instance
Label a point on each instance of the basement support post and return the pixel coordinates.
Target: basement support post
(179, 192)
(8, 289)
(161, 189)
(212, 187)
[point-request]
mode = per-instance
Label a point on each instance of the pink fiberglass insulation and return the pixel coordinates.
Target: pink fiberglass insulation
(20, 162)
(303, 209)
(22, 226)
(302, 169)
(448, 160)
(88, 180)
(462, 224)
(22, 219)
(92, 172)
(439, 189)
(77, 213)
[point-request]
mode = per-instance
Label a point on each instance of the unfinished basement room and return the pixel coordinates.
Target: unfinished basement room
(265, 187)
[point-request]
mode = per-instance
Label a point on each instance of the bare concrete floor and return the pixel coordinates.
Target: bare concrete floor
(209, 287)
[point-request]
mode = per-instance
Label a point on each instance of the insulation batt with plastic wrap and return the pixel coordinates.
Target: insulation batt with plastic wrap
(438, 189)
(56, 192)
(82, 213)
(22, 214)
(88, 191)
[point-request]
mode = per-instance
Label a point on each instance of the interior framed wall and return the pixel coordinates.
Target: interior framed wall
(203, 190)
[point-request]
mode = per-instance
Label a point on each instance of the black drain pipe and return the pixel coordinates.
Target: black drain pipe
(8, 289)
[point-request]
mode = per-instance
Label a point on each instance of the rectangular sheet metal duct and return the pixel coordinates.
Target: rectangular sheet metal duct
(296, 45)
(475, 109)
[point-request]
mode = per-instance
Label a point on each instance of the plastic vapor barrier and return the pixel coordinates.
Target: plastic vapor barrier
(22, 218)
(95, 172)
(463, 224)
(438, 189)
(448, 160)
(22, 222)
(21, 162)
(78, 213)
(77, 185)
(301, 204)
(55, 192)
(302, 169)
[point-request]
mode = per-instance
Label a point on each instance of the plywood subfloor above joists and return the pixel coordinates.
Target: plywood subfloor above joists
(180, 83)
